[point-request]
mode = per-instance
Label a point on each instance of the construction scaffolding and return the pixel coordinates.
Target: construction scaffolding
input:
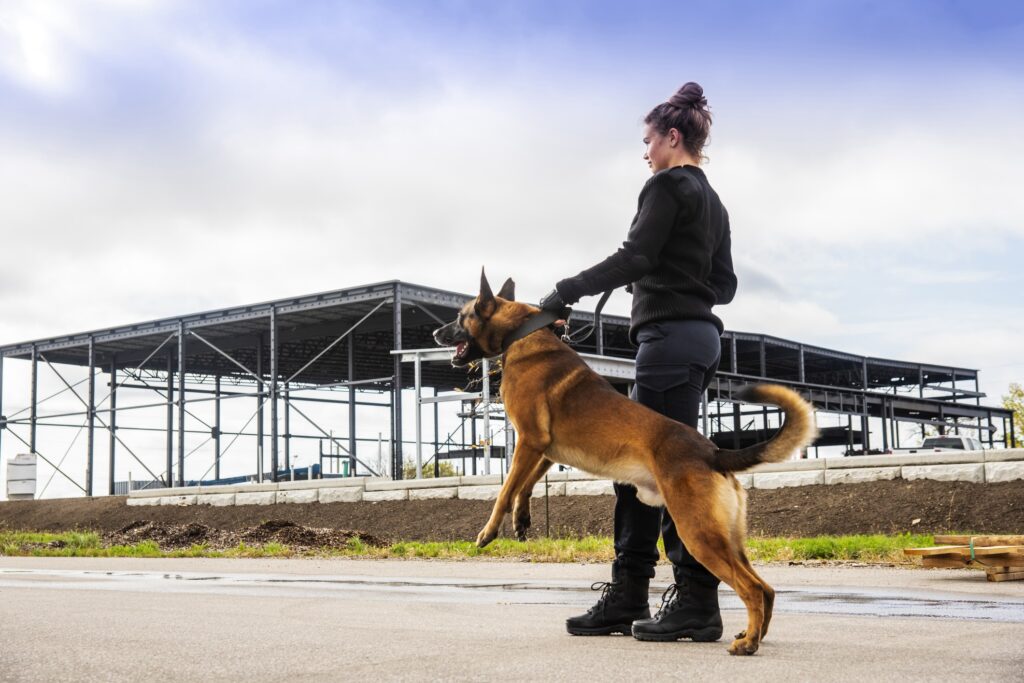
(347, 348)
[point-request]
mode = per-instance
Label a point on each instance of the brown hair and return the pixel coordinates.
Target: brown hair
(687, 111)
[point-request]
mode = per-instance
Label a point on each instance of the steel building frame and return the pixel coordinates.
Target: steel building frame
(283, 353)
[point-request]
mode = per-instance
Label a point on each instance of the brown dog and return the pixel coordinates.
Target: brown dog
(564, 412)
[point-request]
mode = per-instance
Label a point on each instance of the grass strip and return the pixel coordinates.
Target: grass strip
(855, 548)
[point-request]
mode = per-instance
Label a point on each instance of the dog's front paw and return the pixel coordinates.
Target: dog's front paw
(485, 537)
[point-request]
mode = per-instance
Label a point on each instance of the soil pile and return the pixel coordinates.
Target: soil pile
(180, 536)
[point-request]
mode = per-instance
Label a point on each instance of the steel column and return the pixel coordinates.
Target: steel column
(885, 430)
(763, 353)
(34, 393)
(396, 396)
(181, 404)
(485, 368)
(273, 393)
(352, 401)
(417, 378)
(259, 409)
(803, 370)
(3, 419)
(216, 427)
(599, 331)
(112, 424)
(437, 446)
(90, 435)
(288, 432)
(733, 356)
(170, 416)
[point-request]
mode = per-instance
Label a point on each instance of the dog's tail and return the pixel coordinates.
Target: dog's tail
(797, 432)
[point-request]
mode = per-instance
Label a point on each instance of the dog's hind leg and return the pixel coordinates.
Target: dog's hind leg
(525, 459)
(697, 506)
(521, 506)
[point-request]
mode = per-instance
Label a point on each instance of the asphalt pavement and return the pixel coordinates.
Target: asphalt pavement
(335, 620)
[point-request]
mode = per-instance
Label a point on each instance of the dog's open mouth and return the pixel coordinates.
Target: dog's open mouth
(461, 349)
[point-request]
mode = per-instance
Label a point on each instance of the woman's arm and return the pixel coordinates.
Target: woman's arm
(638, 255)
(723, 278)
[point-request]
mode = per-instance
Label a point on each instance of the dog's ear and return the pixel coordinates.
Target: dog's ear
(508, 290)
(485, 303)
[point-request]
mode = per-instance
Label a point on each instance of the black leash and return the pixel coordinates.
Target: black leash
(584, 333)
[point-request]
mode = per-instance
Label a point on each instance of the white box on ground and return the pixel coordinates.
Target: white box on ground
(21, 477)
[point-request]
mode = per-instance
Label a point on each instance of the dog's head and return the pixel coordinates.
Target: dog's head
(483, 323)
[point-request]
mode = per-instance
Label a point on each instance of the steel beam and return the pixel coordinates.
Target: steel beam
(216, 427)
(34, 392)
(112, 424)
(396, 394)
(90, 435)
(170, 417)
(181, 404)
(259, 410)
(417, 381)
(352, 401)
(287, 432)
(273, 393)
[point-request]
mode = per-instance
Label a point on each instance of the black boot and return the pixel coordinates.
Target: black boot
(622, 601)
(688, 610)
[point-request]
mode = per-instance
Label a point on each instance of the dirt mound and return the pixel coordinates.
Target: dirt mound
(180, 536)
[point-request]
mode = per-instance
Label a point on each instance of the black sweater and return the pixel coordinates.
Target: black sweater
(677, 255)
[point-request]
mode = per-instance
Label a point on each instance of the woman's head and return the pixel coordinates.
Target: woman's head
(677, 131)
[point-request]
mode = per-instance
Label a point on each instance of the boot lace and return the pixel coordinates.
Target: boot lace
(670, 598)
(607, 589)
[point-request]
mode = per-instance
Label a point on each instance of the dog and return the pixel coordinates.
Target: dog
(566, 413)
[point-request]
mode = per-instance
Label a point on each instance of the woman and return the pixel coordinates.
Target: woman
(677, 259)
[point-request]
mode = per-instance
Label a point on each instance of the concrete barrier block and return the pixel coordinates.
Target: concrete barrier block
(857, 475)
(481, 479)
(555, 488)
(970, 472)
(1004, 454)
(898, 460)
(151, 500)
(256, 498)
(488, 492)
(745, 480)
(996, 472)
(178, 500)
(321, 483)
(778, 480)
(596, 487)
(426, 483)
(378, 496)
(216, 499)
(789, 466)
(439, 492)
(298, 496)
(341, 494)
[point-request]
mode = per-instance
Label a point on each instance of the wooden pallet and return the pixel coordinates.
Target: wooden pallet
(1002, 557)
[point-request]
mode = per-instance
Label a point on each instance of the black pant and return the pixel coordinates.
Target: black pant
(674, 365)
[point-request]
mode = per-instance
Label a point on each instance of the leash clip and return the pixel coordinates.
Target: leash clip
(565, 333)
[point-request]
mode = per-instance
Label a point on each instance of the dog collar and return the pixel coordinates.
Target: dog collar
(532, 324)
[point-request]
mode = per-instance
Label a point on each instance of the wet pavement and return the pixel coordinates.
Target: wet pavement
(836, 600)
(329, 620)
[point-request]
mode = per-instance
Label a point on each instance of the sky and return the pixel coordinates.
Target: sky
(160, 158)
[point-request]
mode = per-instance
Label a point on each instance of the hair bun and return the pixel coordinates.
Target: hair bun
(690, 95)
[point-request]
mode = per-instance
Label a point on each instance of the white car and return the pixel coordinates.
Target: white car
(938, 444)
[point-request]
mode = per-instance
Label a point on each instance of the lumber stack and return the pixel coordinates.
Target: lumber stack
(1002, 557)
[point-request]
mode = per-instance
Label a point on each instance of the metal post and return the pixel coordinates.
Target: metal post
(259, 411)
(181, 404)
(112, 425)
(736, 425)
(599, 331)
(472, 435)
(3, 420)
(437, 446)
(864, 373)
(764, 364)
(33, 391)
(885, 430)
(352, 400)
(803, 370)
(273, 393)
(733, 356)
(90, 434)
(485, 367)
(704, 411)
(396, 401)
(288, 433)
(417, 379)
(216, 427)
(170, 417)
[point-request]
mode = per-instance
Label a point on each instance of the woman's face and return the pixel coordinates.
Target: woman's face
(658, 150)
